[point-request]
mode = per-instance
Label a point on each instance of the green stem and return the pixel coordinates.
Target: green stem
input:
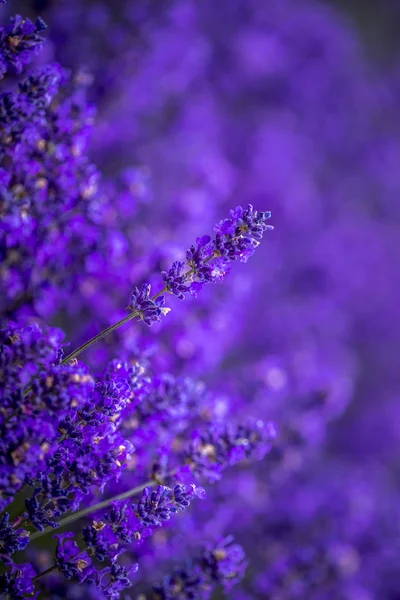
(99, 337)
(49, 570)
(115, 326)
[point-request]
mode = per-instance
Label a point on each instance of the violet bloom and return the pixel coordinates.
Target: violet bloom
(91, 450)
(236, 239)
(124, 523)
(46, 179)
(197, 259)
(18, 582)
(221, 564)
(70, 561)
(149, 310)
(224, 562)
(127, 522)
(238, 236)
(28, 428)
(20, 40)
(175, 281)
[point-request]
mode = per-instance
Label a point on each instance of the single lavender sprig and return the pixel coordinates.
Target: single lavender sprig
(236, 239)
(127, 522)
(91, 450)
(12, 537)
(18, 581)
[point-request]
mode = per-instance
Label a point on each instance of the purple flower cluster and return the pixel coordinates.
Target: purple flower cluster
(149, 310)
(210, 452)
(123, 525)
(84, 448)
(220, 564)
(17, 582)
(90, 450)
(125, 522)
(20, 39)
(12, 538)
(29, 422)
(70, 561)
(236, 239)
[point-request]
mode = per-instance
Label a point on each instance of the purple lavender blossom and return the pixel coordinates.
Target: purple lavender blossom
(157, 505)
(90, 451)
(236, 239)
(224, 562)
(149, 310)
(70, 560)
(175, 281)
(12, 537)
(125, 522)
(29, 427)
(18, 582)
(238, 236)
(211, 451)
(20, 40)
(220, 564)
(45, 178)
(197, 258)
(111, 581)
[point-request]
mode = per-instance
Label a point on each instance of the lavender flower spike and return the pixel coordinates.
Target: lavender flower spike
(18, 582)
(206, 262)
(174, 280)
(236, 239)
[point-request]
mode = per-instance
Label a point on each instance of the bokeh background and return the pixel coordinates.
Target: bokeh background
(292, 106)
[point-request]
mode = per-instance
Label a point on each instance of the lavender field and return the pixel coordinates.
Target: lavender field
(199, 300)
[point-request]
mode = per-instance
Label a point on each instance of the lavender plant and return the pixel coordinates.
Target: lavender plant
(100, 461)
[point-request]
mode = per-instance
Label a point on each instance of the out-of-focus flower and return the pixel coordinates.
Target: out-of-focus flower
(20, 40)
(222, 564)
